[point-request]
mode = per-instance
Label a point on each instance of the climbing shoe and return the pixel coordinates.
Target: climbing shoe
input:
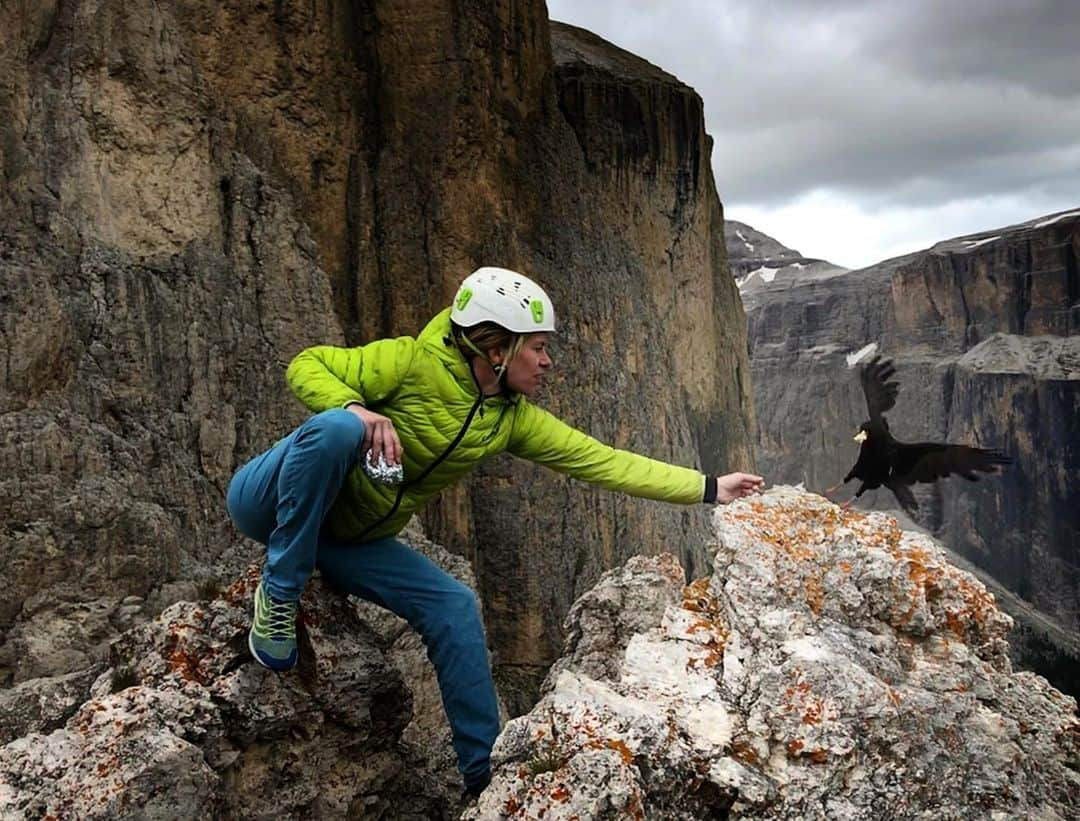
(272, 639)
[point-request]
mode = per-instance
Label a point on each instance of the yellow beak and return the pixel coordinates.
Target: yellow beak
(860, 437)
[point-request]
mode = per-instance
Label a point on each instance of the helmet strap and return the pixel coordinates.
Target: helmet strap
(500, 369)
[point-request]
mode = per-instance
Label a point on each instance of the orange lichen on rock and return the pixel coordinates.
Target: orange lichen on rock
(979, 606)
(179, 659)
(800, 700)
(784, 530)
(798, 529)
(698, 598)
(798, 532)
(712, 659)
(620, 747)
(187, 666)
(933, 579)
(241, 590)
(744, 752)
(815, 594)
(796, 748)
(813, 710)
(884, 534)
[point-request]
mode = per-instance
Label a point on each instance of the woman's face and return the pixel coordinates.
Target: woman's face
(525, 373)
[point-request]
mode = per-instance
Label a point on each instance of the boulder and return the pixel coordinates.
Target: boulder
(832, 666)
(184, 724)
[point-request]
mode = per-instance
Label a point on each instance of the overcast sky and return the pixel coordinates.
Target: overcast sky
(855, 131)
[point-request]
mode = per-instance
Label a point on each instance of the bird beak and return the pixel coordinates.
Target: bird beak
(860, 437)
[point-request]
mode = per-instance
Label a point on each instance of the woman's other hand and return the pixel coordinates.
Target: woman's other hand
(734, 486)
(380, 438)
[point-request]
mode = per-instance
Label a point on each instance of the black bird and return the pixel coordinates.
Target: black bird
(897, 465)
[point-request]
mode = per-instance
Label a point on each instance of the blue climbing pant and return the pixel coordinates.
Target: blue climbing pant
(282, 496)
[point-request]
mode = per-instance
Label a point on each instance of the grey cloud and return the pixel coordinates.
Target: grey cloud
(1033, 45)
(879, 136)
(913, 102)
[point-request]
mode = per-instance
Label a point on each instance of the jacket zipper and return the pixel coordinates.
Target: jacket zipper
(478, 404)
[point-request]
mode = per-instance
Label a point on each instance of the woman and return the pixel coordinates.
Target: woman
(431, 408)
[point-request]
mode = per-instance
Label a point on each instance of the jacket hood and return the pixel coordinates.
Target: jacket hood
(437, 338)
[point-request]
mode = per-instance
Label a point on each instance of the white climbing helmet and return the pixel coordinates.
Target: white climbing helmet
(507, 298)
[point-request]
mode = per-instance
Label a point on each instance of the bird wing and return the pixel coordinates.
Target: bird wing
(929, 461)
(879, 391)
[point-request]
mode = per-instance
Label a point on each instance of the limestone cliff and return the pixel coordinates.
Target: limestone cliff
(195, 191)
(985, 332)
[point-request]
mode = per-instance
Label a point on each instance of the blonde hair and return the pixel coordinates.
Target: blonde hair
(488, 335)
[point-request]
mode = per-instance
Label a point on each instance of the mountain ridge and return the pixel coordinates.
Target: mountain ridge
(983, 329)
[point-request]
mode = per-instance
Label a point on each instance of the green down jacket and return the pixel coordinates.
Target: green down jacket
(425, 388)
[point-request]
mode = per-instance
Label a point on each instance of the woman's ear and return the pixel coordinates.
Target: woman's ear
(495, 356)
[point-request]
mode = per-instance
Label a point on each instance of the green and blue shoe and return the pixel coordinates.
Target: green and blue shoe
(272, 639)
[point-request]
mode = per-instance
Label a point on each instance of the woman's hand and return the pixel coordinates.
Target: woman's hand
(380, 438)
(734, 486)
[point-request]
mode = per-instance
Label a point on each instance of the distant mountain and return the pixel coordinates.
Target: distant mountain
(985, 333)
(756, 259)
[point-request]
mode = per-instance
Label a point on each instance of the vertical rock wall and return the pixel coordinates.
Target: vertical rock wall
(153, 281)
(196, 191)
(652, 323)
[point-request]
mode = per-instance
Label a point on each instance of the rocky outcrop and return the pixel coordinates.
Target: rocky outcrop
(984, 333)
(181, 723)
(831, 666)
(177, 223)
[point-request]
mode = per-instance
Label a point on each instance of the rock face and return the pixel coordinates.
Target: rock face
(183, 724)
(633, 211)
(177, 223)
(154, 281)
(831, 666)
(984, 333)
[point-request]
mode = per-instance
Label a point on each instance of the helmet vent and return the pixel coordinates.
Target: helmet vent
(501, 291)
(525, 302)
